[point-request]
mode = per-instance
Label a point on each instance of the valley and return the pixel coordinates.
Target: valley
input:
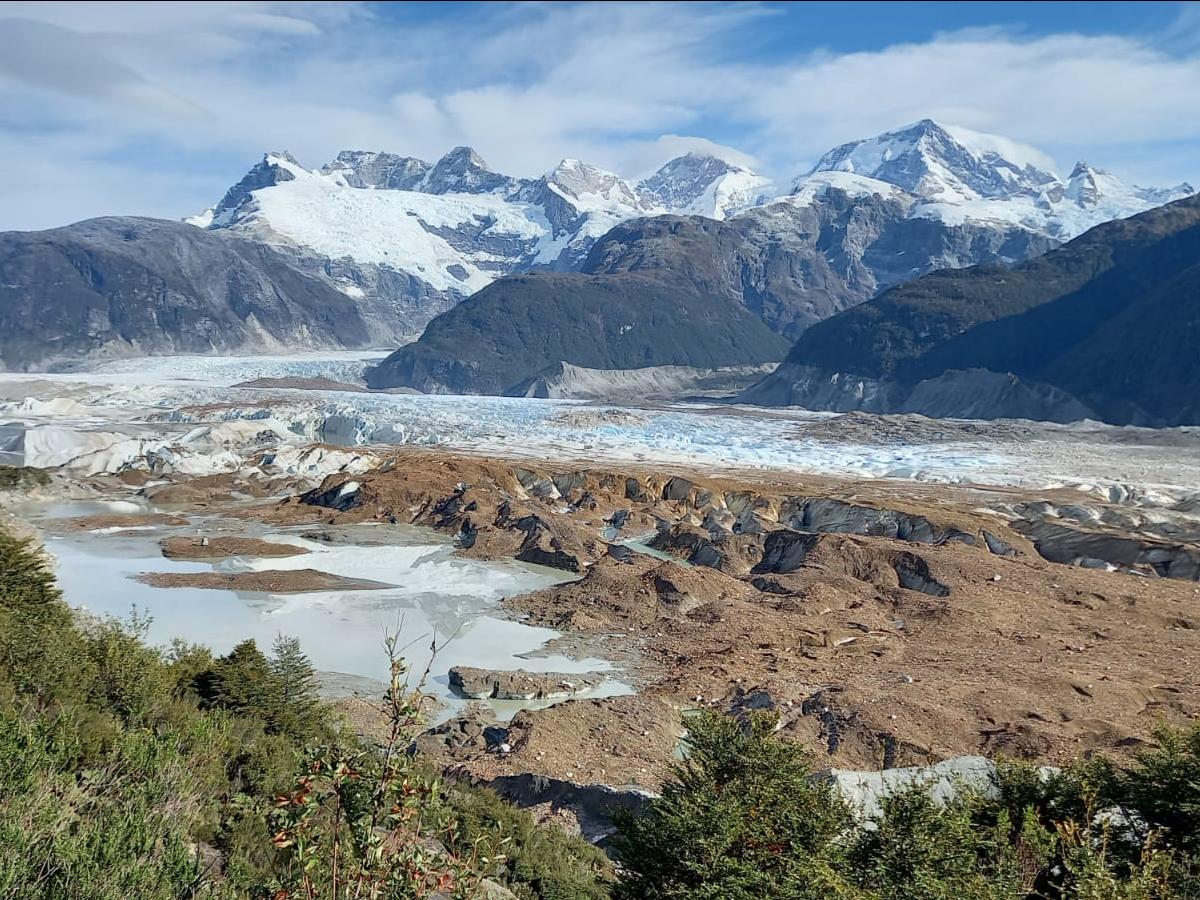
(899, 589)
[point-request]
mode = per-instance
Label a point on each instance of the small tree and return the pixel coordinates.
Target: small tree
(742, 819)
(41, 654)
(293, 708)
(368, 823)
(240, 682)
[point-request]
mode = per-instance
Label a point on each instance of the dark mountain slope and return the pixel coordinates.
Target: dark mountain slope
(522, 325)
(782, 267)
(122, 285)
(1107, 325)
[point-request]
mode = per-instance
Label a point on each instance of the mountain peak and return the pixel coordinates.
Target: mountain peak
(1083, 169)
(464, 157)
(463, 171)
(703, 184)
(376, 169)
(943, 162)
(275, 167)
(578, 179)
(277, 157)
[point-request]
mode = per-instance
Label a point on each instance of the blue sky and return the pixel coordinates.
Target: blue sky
(155, 109)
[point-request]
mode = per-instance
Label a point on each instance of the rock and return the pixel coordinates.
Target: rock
(784, 551)
(677, 489)
(481, 684)
(997, 546)
(1097, 549)
(591, 804)
(865, 791)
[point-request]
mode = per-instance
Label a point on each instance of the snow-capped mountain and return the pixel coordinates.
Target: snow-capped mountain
(943, 163)
(409, 239)
(701, 185)
(421, 236)
(957, 175)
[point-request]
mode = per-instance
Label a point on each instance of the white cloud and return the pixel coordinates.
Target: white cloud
(100, 89)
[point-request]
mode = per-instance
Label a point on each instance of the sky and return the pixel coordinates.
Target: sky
(156, 108)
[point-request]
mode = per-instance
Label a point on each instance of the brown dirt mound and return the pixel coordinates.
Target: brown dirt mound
(294, 581)
(221, 546)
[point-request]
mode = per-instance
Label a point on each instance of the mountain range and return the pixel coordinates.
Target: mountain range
(417, 237)
(702, 264)
(870, 215)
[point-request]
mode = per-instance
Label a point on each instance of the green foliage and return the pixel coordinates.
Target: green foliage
(1090, 873)
(41, 654)
(293, 699)
(116, 828)
(128, 678)
(968, 850)
(280, 690)
(742, 819)
(366, 823)
(532, 861)
(1163, 785)
(14, 477)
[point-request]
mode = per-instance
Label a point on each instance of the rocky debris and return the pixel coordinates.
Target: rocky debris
(627, 740)
(717, 549)
(1096, 549)
(825, 514)
(221, 546)
(590, 806)
(637, 591)
(289, 581)
(914, 574)
(785, 551)
(468, 735)
(480, 684)
(889, 630)
(996, 545)
(298, 383)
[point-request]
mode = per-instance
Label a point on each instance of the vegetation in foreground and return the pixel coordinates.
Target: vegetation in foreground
(127, 772)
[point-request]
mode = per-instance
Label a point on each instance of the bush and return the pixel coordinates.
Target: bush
(532, 861)
(118, 828)
(743, 818)
(41, 652)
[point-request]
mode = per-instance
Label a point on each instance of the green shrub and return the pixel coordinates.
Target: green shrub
(41, 652)
(742, 819)
(534, 862)
(14, 477)
(118, 828)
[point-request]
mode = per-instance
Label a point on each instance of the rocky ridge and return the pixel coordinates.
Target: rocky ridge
(1100, 328)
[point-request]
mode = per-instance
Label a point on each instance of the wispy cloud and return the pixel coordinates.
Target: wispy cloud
(164, 103)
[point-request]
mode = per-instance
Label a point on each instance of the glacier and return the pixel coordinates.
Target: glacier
(184, 414)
